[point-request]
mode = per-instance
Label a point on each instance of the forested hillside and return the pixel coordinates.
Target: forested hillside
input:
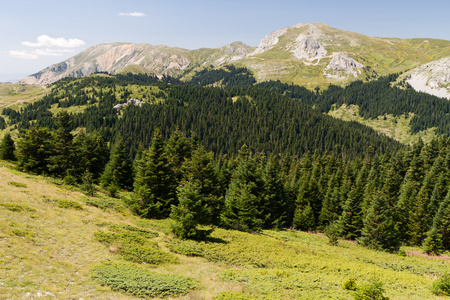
(240, 156)
(223, 119)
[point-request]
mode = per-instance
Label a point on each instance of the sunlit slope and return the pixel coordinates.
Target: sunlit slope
(52, 238)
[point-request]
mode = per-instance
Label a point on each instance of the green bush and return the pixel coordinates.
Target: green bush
(16, 207)
(142, 232)
(441, 286)
(349, 284)
(104, 204)
(17, 184)
(186, 247)
(373, 290)
(134, 247)
(139, 282)
(69, 204)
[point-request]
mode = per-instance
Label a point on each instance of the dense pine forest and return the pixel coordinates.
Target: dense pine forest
(246, 156)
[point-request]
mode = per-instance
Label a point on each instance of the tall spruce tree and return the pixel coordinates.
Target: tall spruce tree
(62, 161)
(199, 170)
(155, 183)
(189, 211)
(379, 230)
(243, 200)
(7, 148)
(34, 149)
(119, 170)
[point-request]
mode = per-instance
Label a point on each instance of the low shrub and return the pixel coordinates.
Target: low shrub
(134, 247)
(69, 204)
(16, 207)
(26, 233)
(373, 290)
(17, 184)
(349, 284)
(139, 282)
(104, 204)
(186, 247)
(142, 232)
(441, 286)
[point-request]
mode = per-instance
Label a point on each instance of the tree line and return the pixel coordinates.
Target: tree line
(381, 200)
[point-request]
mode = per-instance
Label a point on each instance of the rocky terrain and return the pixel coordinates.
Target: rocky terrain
(309, 54)
(432, 78)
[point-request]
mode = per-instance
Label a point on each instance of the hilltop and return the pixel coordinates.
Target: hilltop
(308, 54)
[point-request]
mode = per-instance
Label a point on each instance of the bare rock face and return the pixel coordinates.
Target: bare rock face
(309, 49)
(269, 41)
(233, 52)
(432, 78)
(341, 66)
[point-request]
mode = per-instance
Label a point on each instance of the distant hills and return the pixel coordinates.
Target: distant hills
(306, 54)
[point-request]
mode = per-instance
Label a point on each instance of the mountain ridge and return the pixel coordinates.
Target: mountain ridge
(308, 54)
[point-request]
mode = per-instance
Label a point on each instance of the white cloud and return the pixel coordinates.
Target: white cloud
(132, 14)
(51, 52)
(46, 41)
(23, 54)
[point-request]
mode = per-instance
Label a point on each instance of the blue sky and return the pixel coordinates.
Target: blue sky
(35, 34)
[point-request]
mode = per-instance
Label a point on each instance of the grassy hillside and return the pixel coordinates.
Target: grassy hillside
(14, 95)
(54, 240)
(397, 128)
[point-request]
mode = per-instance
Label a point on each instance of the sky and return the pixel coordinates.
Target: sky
(36, 34)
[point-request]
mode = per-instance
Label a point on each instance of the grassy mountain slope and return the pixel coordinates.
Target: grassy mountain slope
(307, 54)
(49, 247)
(380, 56)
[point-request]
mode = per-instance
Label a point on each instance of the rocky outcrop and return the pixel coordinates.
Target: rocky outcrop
(232, 52)
(341, 66)
(309, 49)
(269, 41)
(432, 78)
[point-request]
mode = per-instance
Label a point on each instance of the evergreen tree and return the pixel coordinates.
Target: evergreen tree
(304, 218)
(188, 212)
(155, 183)
(379, 230)
(119, 170)
(92, 152)
(199, 170)
(7, 148)
(34, 149)
(178, 148)
(61, 162)
(243, 198)
(275, 199)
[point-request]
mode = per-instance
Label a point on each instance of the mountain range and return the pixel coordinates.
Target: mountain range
(307, 54)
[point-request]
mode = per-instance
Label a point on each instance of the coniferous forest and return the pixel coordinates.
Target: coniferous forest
(222, 150)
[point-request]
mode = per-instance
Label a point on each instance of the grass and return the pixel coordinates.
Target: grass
(395, 127)
(58, 252)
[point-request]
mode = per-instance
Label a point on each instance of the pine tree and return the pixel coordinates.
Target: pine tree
(155, 183)
(92, 152)
(243, 199)
(34, 149)
(188, 212)
(119, 170)
(379, 230)
(199, 170)
(61, 162)
(178, 149)
(7, 148)
(304, 218)
(274, 195)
